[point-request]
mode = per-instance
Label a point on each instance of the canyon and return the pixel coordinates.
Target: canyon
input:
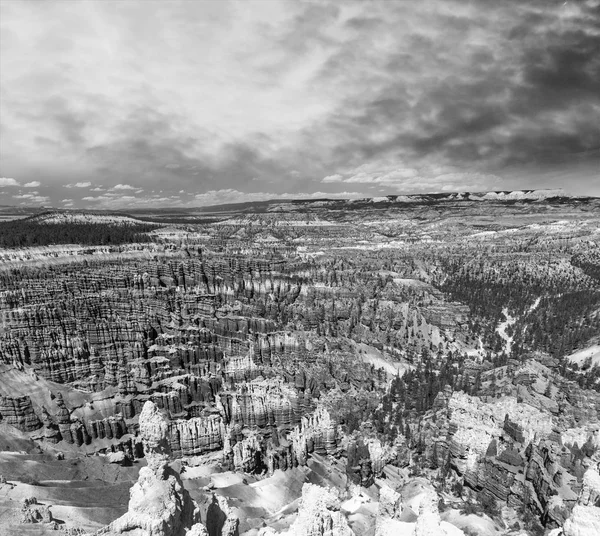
(370, 367)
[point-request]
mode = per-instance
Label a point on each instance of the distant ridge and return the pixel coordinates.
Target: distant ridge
(508, 196)
(55, 215)
(84, 217)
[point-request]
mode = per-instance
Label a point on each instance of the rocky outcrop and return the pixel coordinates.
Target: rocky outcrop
(388, 512)
(319, 515)
(220, 520)
(508, 453)
(196, 436)
(159, 505)
(18, 412)
(34, 512)
(585, 517)
(271, 448)
(429, 522)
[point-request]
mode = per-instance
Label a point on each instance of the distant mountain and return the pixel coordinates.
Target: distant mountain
(191, 214)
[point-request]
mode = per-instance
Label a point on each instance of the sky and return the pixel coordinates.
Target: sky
(147, 103)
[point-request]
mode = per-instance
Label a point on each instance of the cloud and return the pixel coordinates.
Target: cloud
(390, 177)
(123, 187)
(32, 198)
(32, 184)
(6, 181)
(380, 94)
(79, 185)
(215, 197)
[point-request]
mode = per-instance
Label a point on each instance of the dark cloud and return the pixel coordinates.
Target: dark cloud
(517, 98)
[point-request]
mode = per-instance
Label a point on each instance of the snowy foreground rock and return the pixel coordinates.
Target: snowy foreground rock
(320, 515)
(159, 505)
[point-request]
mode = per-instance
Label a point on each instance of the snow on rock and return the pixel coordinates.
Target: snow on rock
(429, 522)
(424, 503)
(516, 195)
(197, 530)
(393, 527)
(390, 503)
(479, 422)
(585, 517)
(581, 356)
(388, 514)
(584, 521)
(116, 457)
(590, 491)
(319, 515)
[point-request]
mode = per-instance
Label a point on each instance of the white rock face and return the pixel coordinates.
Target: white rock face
(390, 503)
(479, 422)
(590, 492)
(197, 530)
(429, 522)
(116, 457)
(525, 194)
(584, 521)
(585, 517)
(388, 514)
(319, 515)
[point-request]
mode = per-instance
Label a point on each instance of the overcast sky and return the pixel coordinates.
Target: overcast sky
(109, 104)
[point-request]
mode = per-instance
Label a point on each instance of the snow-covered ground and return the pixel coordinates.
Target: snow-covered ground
(503, 326)
(374, 357)
(581, 356)
(535, 304)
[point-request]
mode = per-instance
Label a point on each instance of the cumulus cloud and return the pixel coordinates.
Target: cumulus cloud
(79, 185)
(301, 95)
(32, 184)
(6, 181)
(123, 187)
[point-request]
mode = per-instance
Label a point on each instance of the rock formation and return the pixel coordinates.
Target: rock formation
(159, 505)
(319, 515)
(388, 512)
(19, 413)
(266, 338)
(34, 512)
(585, 517)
